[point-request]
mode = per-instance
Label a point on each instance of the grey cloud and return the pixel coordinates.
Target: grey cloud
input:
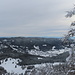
(28, 17)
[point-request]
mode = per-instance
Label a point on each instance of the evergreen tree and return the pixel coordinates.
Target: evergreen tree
(71, 35)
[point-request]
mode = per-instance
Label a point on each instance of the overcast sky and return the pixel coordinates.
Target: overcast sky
(34, 18)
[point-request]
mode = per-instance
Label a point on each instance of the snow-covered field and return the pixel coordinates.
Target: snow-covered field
(11, 66)
(49, 53)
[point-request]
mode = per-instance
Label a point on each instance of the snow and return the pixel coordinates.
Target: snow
(12, 46)
(71, 56)
(45, 64)
(53, 48)
(72, 45)
(39, 58)
(36, 47)
(10, 64)
(48, 53)
(68, 58)
(5, 40)
(72, 71)
(39, 65)
(57, 63)
(14, 49)
(44, 45)
(3, 46)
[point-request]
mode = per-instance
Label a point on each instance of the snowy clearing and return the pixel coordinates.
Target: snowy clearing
(48, 53)
(11, 66)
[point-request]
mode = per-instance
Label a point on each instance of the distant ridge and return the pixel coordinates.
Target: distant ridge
(29, 37)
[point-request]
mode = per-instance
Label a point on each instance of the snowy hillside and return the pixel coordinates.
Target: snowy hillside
(29, 56)
(50, 53)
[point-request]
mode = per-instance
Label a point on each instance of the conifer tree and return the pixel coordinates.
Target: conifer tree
(71, 34)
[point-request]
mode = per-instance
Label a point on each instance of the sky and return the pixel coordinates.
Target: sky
(34, 18)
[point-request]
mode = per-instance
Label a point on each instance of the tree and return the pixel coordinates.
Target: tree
(71, 34)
